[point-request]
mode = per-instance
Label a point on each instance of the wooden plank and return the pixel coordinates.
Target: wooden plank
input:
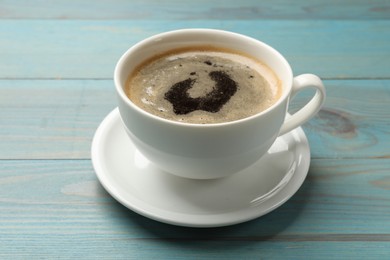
(103, 247)
(42, 119)
(59, 207)
(108, 247)
(90, 49)
(195, 10)
(52, 118)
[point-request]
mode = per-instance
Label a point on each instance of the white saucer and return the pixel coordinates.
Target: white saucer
(136, 183)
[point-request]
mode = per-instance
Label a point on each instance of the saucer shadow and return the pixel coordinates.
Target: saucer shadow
(268, 227)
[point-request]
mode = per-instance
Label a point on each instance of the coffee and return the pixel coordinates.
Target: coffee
(203, 84)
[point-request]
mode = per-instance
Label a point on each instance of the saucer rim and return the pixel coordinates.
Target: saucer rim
(181, 219)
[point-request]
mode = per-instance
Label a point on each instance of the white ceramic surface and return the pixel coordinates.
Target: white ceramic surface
(208, 151)
(142, 187)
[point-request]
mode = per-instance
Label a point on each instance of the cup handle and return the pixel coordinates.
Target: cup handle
(301, 82)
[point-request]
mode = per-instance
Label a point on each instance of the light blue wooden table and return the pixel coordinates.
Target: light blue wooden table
(56, 65)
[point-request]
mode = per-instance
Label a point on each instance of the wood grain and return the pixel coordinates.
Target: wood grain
(195, 10)
(42, 119)
(52, 118)
(354, 122)
(58, 207)
(88, 49)
(56, 65)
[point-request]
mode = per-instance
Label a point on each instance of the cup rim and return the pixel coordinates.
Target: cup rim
(120, 90)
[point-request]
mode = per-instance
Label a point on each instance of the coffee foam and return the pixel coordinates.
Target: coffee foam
(258, 66)
(258, 86)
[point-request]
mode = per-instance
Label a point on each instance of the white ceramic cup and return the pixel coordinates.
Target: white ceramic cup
(207, 151)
